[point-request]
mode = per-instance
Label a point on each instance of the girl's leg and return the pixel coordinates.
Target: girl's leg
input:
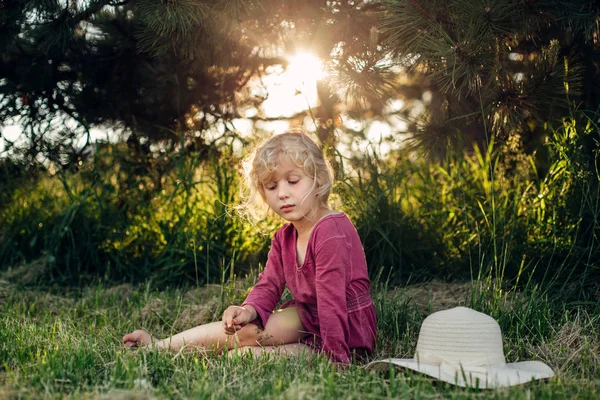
(210, 337)
(283, 327)
(296, 349)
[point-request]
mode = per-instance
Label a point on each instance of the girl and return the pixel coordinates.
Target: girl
(318, 255)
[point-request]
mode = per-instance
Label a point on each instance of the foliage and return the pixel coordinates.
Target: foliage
(380, 200)
(112, 221)
(484, 214)
(169, 73)
(172, 72)
(496, 70)
(161, 72)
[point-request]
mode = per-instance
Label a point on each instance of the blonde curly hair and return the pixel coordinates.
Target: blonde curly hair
(296, 146)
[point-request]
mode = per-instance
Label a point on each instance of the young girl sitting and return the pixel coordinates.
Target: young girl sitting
(318, 255)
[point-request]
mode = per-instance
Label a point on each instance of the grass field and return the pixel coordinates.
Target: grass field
(66, 343)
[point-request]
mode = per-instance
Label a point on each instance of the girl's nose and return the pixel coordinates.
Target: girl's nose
(283, 194)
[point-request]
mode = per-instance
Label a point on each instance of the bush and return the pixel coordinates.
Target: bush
(484, 215)
(117, 221)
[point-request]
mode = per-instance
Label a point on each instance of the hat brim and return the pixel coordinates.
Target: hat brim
(489, 377)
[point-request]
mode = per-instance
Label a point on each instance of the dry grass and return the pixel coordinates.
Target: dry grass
(122, 291)
(29, 273)
(33, 297)
(573, 347)
(194, 315)
(436, 295)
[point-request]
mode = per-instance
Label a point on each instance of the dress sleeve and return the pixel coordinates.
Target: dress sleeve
(332, 258)
(267, 292)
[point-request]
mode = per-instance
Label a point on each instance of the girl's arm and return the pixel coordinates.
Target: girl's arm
(332, 260)
(265, 295)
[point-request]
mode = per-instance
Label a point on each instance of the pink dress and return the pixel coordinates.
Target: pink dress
(331, 289)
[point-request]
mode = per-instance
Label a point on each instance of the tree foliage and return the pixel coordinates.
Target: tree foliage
(494, 68)
(142, 66)
(168, 71)
(162, 71)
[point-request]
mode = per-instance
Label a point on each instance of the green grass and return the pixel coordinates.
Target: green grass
(67, 344)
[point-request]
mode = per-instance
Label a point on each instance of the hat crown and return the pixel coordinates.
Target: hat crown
(462, 336)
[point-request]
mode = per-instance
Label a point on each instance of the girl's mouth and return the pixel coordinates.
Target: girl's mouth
(287, 207)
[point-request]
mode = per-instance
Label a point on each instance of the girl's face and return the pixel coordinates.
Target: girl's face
(291, 193)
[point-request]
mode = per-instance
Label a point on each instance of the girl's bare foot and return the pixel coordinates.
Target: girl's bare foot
(137, 338)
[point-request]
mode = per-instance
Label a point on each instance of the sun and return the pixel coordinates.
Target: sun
(292, 88)
(304, 70)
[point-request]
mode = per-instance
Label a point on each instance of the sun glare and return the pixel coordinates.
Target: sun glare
(293, 89)
(305, 69)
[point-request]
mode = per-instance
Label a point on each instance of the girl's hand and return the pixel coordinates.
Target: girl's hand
(137, 338)
(235, 317)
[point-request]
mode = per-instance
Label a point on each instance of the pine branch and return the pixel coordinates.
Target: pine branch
(93, 9)
(417, 6)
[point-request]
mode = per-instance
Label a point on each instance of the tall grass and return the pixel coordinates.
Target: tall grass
(489, 215)
(119, 219)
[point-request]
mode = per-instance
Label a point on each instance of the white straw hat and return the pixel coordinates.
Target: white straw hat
(463, 347)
